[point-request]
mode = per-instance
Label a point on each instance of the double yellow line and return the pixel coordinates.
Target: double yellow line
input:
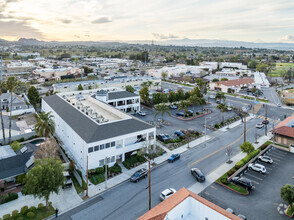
(218, 149)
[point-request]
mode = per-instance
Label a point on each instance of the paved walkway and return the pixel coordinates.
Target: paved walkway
(218, 172)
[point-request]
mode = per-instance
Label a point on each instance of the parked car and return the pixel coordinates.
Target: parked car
(173, 158)
(212, 96)
(167, 193)
(259, 125)
(198, 174)
(190, 112)
(257, 167)
(242, 217)
(230, 210)
(168, 137)
(67, 180)
(173, 106)
(179, 133)
(279, 105)
(218, 101)
(229, 109)
(180, 114)
(139, 174)
(162, 137)
(266, 159)
(242, 181)
(141, 113)
(265, 122)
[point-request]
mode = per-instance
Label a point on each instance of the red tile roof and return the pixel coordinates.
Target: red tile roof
(236, 82)
(285, 131)
(160, 211)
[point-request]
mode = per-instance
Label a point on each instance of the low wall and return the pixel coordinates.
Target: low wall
(78, 178)
(22, 111)
(17, 137)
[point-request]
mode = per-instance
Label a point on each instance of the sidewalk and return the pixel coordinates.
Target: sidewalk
(218, 172)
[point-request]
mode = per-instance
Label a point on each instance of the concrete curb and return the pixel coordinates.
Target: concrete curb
(290, 216)
(233, 189)
(190, 119)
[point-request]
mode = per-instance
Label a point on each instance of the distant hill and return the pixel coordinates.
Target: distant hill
(174, 42)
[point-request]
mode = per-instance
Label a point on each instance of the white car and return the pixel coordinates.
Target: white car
(167, 193)
(259, 125)
(279, 105)
(266, 159)
(257, 167)
(141, 113)
(173, 106)
(212, 96)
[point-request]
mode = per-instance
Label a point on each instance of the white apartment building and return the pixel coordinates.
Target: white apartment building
(122, 100)
(89, 128)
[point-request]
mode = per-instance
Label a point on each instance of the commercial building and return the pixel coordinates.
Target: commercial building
(233, 85)
(284, 132)
(186, 205)
(56, 74)
(89, 128)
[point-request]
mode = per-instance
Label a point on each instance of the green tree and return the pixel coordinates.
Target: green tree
(11, 83)
(34, 96)
(143, 84)
(172, 96)
(156, 98)
(183, 105)
(44, 178)
(247, 147)
(196, 91)
(144, 94)
(222, 107)
(130, 88)
(87, 70)
(288, 75)
(261, 67)
(202, 86)
(149, 84)
(180, 95)
(224, 79)
(187, 78)
(162, 108)
(157, 84)
(220, 96)
(252, 64)
(194, 100)
(215, 80)
(287, 194)
(164, 75)
(45, 124)
(80, 87)
(2, 86)
(89, 87)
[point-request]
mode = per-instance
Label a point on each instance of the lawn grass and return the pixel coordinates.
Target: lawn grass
(232, 186)
(280, 68)
(96, 178)
(290, 211)
(43, 213)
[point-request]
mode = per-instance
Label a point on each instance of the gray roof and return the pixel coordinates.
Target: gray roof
(13, 166)
(89, 130)
(120, 95)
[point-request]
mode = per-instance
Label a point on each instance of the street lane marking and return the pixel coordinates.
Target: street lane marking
(219, 149)
(253, 176)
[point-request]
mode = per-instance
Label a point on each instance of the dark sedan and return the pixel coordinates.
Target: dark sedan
(173, 158)
(139, 174)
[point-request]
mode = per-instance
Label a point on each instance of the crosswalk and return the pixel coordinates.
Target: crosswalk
(256, 108)
(269, 119)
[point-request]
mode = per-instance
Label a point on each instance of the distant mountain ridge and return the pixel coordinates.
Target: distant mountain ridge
(172, 42)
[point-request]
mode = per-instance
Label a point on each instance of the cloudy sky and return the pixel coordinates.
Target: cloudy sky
(75, 20)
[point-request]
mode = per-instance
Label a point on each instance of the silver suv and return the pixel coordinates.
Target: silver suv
(257, 167)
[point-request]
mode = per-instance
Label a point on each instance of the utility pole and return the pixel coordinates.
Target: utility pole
(149, 174)
(105, 172)
(244, 127)
(265, 130)
(82, 68)
(1, 62)
(87, 176)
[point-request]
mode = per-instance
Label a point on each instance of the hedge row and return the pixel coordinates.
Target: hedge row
(133, 160)
(11, 196)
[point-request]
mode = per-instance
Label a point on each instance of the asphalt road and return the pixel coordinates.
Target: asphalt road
(130, 200)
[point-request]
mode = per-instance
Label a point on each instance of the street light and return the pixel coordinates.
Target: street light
(205, 126)
(149, 180)
(106, 171)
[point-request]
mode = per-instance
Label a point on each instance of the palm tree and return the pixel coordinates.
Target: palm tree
(45, 124)
(149, 83)
(162, 108)
(194, 100)
(11, 83)
(183, 105)
(157, 84)
(220, 96)
(144, 84)
(1, 115)
(202, 86)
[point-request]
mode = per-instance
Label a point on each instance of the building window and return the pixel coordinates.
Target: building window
(107, 145)
(90, 149)
(113, 144)
(96, 148)
(112, 159)
(101, 146)
(101, 163)
(108, 160)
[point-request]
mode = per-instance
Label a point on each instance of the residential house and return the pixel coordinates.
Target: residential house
(234, 85)
(284, 131)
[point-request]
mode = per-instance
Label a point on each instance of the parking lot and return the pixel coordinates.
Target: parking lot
(198, 124)
(264, 201)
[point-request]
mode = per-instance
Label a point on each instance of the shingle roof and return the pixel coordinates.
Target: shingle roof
(87, 129)
(120, 95)
(236, 82)
(13, 166)
(160, 211)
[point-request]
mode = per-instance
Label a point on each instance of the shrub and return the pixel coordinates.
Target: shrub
(15, 213)
(197, 113)
(92, 171)
(239, 164)
(20, 178)
(7, 216)
(30, 215)
(216, 126)
(100, 170)
(32, 209)
(231, 171)
(15, 146)
(24, 210)
(8, 198)
(115, 168)
(19, 218)
(224, 181)
(197, 133)
(40, 206)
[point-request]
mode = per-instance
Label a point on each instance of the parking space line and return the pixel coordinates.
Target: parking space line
(251, 179)
(253, 176)
(278, 152)
(274, 155)
(275, 163)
